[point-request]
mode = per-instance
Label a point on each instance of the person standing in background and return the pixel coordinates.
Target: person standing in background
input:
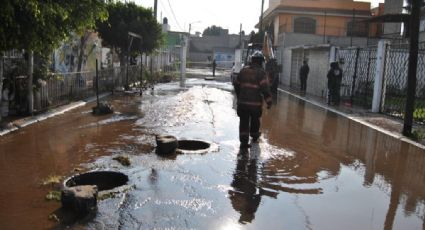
(214, 65)
(304, 71)
(334, 83)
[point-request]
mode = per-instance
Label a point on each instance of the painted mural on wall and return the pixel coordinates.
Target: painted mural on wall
(65, 58)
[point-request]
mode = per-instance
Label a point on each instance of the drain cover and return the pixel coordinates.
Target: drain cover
(105, 180)
(193, 145)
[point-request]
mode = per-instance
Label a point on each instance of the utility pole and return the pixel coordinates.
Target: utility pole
(261, 17)
(240, 36)
(155, 12)
(324, 29)
(352, 27)
(413, 64)
(1, 77)
(155, 9)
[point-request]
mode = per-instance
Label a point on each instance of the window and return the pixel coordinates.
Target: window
(358, 29)
(305, 25)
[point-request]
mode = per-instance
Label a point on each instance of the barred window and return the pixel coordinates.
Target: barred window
(358, 29)
(305, 25)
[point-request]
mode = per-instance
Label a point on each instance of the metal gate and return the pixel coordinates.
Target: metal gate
(358, 65)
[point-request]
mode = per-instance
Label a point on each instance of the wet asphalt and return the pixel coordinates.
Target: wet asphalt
(312, 169)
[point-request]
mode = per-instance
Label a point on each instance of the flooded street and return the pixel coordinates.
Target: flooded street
(311, 170)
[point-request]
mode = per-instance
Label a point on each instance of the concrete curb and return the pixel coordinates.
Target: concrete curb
(357, 119)
(21, 123)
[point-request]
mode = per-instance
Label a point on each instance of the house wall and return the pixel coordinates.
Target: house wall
(203, 47)
(393, 7)
(318, 62)
(285, 76)
(330, 4)
(336, 20)
(335, 25)
(297, 39)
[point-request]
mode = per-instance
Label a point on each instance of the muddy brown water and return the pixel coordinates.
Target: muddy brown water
(311, 170)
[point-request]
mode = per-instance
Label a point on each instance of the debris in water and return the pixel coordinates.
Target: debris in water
(102, 109)
(78, 170)
(52, 180)
(53, 217)
(105, 196)
(53, 195)
(124, 160)
(113, 193)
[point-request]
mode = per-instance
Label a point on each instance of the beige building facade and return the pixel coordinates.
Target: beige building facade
(318, 17)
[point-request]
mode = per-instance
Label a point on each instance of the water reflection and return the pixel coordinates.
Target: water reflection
(245, 196)
(324, 141)
(328, 132)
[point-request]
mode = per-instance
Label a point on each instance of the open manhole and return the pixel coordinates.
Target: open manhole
(105, 180)
(193, 145)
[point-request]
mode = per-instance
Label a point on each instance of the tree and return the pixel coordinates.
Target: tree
(213, 31)
(38, 26)
(128, 17)
(256, 37)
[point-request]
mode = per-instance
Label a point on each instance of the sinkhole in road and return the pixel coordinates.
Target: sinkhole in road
(104, 180)
(193, 145)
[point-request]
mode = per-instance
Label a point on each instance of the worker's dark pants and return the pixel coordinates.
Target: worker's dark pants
(303, 80)
(334, 92)
(249, 124)
(213, 72)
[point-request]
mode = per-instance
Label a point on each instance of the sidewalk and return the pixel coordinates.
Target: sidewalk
(377, 121)
(17, 123)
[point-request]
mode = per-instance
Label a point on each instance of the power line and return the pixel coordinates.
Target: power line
(172, 12)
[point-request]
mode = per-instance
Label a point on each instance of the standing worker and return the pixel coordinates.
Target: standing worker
(251, 87)
(7, 97)
(214, 65)
(334, 84)
(304, 70)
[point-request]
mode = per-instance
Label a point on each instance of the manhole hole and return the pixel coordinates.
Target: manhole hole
(105, 180)
(193, 145)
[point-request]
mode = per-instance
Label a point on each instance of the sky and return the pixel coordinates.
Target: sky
(228, 14)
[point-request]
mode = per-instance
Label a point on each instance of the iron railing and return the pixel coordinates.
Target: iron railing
(358, 65)
(62, 88)
(396, 73)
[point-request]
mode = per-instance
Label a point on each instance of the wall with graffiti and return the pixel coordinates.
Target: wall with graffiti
(87, 47)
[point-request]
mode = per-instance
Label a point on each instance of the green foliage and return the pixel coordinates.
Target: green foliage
(40, 25)
(419, 114)
(256, 37)
(128, 17)
(418, 135)
(212, 31)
